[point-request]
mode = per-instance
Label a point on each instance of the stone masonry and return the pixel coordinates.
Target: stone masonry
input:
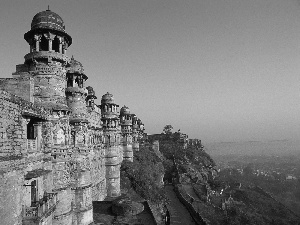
(59, 150)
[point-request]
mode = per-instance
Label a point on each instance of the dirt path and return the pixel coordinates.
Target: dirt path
(179, 214)
(190, 190)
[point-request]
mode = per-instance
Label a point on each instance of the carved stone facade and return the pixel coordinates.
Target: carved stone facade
(59, 151)
(126, 128)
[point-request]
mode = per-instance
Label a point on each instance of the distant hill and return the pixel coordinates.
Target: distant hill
(274, 147)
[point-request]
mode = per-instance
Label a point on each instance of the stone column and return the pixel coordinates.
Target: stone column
(60, 44)
(65, 46)
(38, 132)
(73, 80)
(50, 44)
(37, 39)
(50, 37)
(31, 43)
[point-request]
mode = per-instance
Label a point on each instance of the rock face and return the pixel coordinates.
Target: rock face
(59, 151)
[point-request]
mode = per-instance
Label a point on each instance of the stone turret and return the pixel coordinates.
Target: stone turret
(47, 59)
(111, 133)
(135, 133)
(141, 129)
(81, 179)
(126, 128)
(76, 92)
(90, 100)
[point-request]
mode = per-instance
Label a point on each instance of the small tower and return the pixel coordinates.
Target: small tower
(47, 59)
(126, 128)
(135, 133)
(76, 92)
(81, 181)
(90, 100)
(141, 129)
(111, 133)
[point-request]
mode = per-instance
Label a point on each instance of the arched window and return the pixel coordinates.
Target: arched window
(44, 44)
(30, 130)
(70, 81)
(55, 44)
(77, 81)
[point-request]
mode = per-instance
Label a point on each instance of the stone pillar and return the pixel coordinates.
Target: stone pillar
(50, 37)
(60, 45)
(50, 44)
(37, 39)
(73, 81)
(64, 48)
(38, 131)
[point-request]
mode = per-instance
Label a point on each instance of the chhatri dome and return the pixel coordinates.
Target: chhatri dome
(48, 21)
(76, 67)
(108, 99)
(124, 110)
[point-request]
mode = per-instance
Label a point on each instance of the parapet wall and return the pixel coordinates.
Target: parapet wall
(21, 86)
(12, 127)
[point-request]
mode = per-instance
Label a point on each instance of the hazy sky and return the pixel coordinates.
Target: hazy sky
(219, 70)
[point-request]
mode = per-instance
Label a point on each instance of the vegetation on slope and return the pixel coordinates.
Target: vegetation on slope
(144, 174)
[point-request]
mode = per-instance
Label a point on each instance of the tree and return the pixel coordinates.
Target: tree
(168, 129)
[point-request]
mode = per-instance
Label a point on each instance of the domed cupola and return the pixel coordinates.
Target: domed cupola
(75, 67)
(124, 111)
(91, 92)
(108, 99)
(48, 21)
(126, 120)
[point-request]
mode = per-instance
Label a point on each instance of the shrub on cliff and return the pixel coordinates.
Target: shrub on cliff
(143, 174)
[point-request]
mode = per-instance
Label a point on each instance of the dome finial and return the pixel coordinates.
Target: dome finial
(48, 8)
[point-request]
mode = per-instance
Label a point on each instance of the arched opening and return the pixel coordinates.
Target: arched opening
(80, 82)
(70, 81)
(55, 44)
(30, 130)
(33, 192)
(77, 81)
(44, 44)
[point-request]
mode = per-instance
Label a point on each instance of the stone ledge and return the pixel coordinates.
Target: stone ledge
(36, 173)
(28, 108)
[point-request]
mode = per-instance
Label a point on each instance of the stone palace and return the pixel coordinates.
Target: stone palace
(59, 150)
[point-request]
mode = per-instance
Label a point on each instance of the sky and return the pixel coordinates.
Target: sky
(218, 70)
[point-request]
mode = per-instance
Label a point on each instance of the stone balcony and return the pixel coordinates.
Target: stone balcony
(126, 123)
(109, 161)
(46, 54)
(42, 208)
(32, 145)
(82, 90)
(110, 114)
(135, 126)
